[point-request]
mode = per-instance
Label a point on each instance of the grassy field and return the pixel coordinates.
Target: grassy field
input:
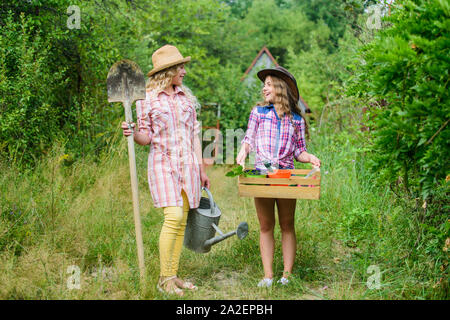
(64, 213)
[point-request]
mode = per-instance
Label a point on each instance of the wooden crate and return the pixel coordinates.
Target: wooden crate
(264, 187)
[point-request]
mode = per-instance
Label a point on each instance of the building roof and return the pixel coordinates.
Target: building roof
(258, 56)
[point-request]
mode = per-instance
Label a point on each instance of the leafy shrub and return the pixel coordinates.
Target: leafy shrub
(29, 115)
(404, 75)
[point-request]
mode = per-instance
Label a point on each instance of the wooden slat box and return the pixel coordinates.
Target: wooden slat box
(264, 187)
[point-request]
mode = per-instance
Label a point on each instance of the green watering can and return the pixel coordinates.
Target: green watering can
(202, 224)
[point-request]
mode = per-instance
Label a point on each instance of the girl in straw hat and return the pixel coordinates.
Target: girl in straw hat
(276, 132)
(167, 121)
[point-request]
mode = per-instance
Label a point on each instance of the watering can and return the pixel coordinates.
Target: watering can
(202, 224)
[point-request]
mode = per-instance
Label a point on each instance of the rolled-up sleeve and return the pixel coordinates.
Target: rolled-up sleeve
(143, 117)
(300, 145)
(252, 128)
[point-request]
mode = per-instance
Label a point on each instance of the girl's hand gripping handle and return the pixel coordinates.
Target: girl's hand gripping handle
(128, 129)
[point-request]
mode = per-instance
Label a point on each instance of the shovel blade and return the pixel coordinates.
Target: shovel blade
(125, 82)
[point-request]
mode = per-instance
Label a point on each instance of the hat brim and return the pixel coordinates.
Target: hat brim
(262, 74)
(168, 65)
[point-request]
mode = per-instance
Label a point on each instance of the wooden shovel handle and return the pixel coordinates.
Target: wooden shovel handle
(135, 194)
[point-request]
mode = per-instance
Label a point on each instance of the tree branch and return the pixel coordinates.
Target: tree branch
(437, 132)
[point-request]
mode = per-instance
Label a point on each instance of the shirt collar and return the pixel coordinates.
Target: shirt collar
(274, 111)
(178, 89)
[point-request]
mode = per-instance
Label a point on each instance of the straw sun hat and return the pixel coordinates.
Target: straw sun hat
(165, 57)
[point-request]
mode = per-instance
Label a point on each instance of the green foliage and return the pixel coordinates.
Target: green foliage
(337, 15)
(235, 98)
(405, 79)
(277, 28)
(236, 171)
(52, 80)
(29, 110)
(239, 8)
(320, 75)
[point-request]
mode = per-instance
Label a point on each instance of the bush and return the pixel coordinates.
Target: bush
(404, 77)
(29, 110)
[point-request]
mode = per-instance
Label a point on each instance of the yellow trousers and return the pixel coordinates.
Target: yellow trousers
(172, 236)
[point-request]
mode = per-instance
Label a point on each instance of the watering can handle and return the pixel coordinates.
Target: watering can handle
(210, 197)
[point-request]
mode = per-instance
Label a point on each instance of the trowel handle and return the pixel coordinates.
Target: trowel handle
(314, 170)
(210, 197)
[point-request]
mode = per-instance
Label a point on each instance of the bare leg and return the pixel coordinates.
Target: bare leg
(286, 213)
(265, 209)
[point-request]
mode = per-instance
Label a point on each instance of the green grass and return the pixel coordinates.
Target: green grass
(61, 214)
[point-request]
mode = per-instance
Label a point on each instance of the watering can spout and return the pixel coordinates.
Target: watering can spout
(241, 232)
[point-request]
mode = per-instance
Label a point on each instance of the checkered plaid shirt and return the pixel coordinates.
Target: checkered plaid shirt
(275, 140)
(171, 123)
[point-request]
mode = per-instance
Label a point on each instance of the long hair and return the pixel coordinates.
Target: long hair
(284, 98)
(162, 79)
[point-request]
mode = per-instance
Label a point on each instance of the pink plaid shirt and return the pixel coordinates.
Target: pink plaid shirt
(275, 140)
(171, 123)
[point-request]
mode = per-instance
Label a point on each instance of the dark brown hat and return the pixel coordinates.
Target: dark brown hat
(282, 73)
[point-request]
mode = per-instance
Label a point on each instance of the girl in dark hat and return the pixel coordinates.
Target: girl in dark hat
(276, 132)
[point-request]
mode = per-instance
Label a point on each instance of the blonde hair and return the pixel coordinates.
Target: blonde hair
(162, 79)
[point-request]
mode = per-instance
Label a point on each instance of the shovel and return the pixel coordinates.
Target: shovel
(126, 83)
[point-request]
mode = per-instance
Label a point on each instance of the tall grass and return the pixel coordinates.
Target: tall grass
(64, 213)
